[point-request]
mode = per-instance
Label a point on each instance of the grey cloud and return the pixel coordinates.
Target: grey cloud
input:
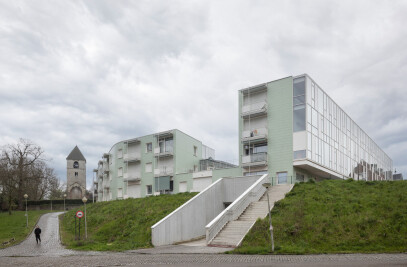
(92, 73)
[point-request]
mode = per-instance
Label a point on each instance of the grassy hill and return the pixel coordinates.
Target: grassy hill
(335, 216)
(121, 224)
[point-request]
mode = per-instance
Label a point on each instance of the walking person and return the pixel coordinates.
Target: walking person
(37, 233)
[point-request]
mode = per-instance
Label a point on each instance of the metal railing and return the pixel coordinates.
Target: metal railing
(165, 170)
(255, 157)
(132, 156)
(234, 210)
(254, 107)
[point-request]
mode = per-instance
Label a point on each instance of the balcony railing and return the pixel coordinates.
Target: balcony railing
(167, 151)
(256, 134)
(163, 171)
(132, 156)
(254, 109)
(132, 176)
(255, 159)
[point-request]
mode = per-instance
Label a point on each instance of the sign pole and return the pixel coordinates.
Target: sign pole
(79, 228)
(75, 227)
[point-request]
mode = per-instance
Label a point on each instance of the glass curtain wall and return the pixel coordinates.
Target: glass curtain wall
(334, 140)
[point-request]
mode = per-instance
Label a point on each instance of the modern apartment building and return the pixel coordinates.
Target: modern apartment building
(165, 162)
(292, 130)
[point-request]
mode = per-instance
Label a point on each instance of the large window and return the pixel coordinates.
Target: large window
(299, 104)
(335, 141)
(166, 145)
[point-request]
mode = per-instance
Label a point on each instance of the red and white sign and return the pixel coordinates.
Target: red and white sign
(79, 214)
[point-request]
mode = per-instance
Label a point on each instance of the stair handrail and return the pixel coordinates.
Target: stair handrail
(234, 210)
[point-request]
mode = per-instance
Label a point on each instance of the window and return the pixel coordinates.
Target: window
(255, 149)
(195, 150)
(149, 189)
(299, 104)
(149, 167)
(76, 173)
(149, 147)
(120, 172)
(300, 177)
(76, 165)
(166, 145)
(119, 192)
(282, 177)
(120, 153)
(299, 154)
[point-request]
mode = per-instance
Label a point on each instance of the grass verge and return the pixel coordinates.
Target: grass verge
(335, 216)
(13, 227)
(120, 224)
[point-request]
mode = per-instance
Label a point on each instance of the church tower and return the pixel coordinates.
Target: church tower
(76, 174)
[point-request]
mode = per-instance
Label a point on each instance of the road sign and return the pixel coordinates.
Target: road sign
(79, 214)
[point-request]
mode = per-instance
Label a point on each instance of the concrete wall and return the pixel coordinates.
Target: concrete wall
(280, 126)
(189, 221)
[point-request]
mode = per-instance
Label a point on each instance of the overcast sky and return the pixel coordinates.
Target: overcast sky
(92, 73)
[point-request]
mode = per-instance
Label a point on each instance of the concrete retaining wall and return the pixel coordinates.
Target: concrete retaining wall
(189, 221)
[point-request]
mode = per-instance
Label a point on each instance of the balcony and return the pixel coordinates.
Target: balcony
(202, 174)
(132, 177)
(254, 109)
(254, 136)
(168, 151)
(132, 157)
(163, 171)
(106, 169)
(258, 159)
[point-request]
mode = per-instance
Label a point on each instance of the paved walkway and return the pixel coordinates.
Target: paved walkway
(50, 245)
(193, 247)
(218, 260)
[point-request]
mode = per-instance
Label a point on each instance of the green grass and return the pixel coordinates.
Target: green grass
(335, 216)
(14, 226)
(120, 224)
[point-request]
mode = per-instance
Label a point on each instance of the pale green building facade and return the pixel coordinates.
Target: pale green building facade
(162, 163)
(289, 128)
(292, 130)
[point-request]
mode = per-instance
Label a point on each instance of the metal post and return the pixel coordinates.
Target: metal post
(79, 229)
(26, 214)
(86, 228)
(64, 204)
(51, 204)
(271, 227)
(75, 226)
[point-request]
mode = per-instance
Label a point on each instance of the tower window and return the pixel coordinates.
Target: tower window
(76, 164)
(76, 173)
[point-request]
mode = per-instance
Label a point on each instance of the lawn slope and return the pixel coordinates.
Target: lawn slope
(120, 224)
(335, 216)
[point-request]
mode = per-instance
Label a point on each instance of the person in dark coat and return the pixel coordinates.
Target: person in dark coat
(37, 233)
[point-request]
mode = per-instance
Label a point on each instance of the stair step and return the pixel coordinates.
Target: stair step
(234, 231)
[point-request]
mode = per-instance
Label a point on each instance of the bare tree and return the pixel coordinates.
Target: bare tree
(23, 170)
(20, 157)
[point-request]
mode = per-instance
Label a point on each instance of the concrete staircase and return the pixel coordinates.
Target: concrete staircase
(233, 233)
